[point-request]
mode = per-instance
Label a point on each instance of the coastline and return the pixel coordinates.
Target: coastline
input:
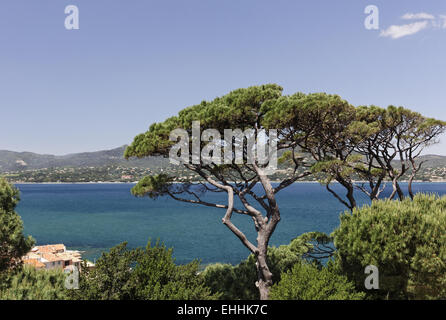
(134, 182)
(110, 182)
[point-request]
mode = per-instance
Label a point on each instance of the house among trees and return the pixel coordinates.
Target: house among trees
(53, 256)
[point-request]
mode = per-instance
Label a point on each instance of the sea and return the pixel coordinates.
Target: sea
(95, 217)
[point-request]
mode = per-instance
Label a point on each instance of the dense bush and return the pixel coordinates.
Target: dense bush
(13, 243)
(141, 274)
(238, 282)
(307, 281)
(159, 278)
(18, 282)
(31, 284)
(406, 240)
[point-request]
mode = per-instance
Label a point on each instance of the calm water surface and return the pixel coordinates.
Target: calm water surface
(96, 217)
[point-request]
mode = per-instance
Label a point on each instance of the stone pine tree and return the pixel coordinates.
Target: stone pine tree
(249, 191)
(13, 244)
(348, 144)
(397, 138)
(324, 128)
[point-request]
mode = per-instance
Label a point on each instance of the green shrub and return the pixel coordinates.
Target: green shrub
(13, 244)
(159, 278)
(31, 284)
(141, 274)
(307, 281)
(406, 240)
(238, 282)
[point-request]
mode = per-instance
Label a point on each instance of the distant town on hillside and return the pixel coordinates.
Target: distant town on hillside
(110, 166)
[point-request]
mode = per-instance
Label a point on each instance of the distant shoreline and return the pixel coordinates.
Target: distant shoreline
(134, 182)
(111, 182)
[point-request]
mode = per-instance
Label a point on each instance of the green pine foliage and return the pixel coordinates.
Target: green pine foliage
(13, 244)
(141, 274)
(31, 284)
(159, 278)
(406, 240)
(238, 282)
(307, 281)
(111, 277)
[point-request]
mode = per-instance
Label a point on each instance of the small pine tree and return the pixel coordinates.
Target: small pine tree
(31, 284)
(406, 240)
(141, 274)
(13, 244)
(238, 282)
(311, 282)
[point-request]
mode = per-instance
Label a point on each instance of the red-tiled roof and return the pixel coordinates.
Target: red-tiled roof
(34, 262)
(51, 248)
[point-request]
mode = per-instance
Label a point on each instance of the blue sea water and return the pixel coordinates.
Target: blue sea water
(96, 217)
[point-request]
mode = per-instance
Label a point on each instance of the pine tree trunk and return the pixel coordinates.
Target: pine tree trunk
(265, 277)
(396, 189)
(409, 186)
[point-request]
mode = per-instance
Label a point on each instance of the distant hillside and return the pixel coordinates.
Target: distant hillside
(110, 166)
(433, 161)
(19, 161)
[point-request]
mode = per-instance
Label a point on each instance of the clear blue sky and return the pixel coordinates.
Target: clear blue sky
(137, 62)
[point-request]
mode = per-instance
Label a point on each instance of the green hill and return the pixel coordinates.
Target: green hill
(110, 166)
(20, 161)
